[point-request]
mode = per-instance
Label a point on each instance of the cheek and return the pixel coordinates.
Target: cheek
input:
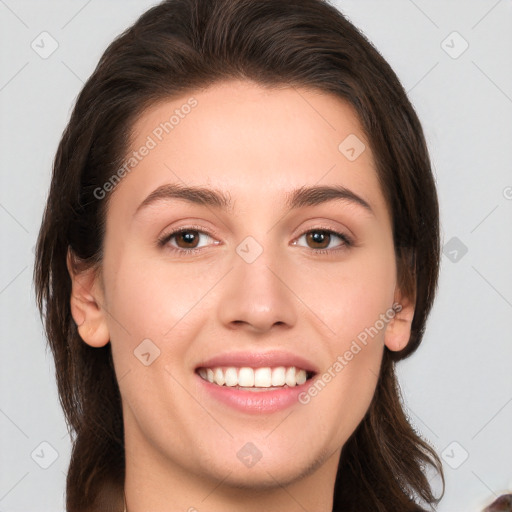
(353, 302)
(154, 300)
(349, 297)
(149, 298)
(346, 385)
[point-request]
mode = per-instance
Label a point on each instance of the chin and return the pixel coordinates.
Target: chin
(268, 472)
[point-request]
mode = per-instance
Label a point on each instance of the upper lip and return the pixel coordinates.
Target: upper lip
(258, 360)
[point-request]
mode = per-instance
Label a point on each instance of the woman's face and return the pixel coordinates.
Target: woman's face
(261, 284)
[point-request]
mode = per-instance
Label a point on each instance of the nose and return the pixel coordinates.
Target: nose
(258, 295)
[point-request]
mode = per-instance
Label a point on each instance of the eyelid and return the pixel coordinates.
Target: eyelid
(164, 239)
(348, 240)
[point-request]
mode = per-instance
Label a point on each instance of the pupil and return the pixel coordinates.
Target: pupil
(188, 236)
(319, 237)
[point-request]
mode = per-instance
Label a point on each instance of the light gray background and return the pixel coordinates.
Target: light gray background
(457, 387)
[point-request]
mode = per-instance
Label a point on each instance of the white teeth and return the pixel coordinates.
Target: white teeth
(279, 376)
(231, 377)
(263, 378)
(246, 377)
(290, 376)
(254, 377)
(218, 377)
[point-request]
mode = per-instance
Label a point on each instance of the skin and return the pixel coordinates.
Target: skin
(256, 144)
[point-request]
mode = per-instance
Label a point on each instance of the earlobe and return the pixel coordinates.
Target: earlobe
(398, 330)
(86, 303)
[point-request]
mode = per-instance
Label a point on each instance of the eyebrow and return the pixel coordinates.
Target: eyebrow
(298, 198)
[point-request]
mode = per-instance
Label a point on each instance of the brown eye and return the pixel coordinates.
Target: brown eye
(185, 240)
(319, 239)
(189, 239)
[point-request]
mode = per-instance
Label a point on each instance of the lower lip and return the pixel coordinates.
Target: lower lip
(255, 402)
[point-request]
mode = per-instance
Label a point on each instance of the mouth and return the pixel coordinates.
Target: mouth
(255, 379)
(255, 382)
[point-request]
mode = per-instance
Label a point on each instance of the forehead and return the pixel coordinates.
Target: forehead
(251, 141)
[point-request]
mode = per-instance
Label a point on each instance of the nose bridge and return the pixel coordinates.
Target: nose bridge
(258, 266)
(256, 293)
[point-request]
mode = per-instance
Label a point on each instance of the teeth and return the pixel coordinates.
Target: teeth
(279, 376)
(290, 376)
(263, 378)
(254, 377)
(246, 377)
(218, 377)
(300, 377)
(231, 377)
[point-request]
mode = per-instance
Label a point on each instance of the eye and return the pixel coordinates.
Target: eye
(186, 239)
(321, 238)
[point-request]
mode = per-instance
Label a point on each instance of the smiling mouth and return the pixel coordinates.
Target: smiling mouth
(255, 379)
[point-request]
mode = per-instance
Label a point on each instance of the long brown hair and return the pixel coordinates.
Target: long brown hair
(172, 49)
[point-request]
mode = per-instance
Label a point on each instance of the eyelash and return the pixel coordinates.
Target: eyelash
(164, 239)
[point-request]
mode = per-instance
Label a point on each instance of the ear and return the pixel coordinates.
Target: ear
(398, 330)
(87, 303)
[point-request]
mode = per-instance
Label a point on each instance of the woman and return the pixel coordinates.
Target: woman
(240, 240)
